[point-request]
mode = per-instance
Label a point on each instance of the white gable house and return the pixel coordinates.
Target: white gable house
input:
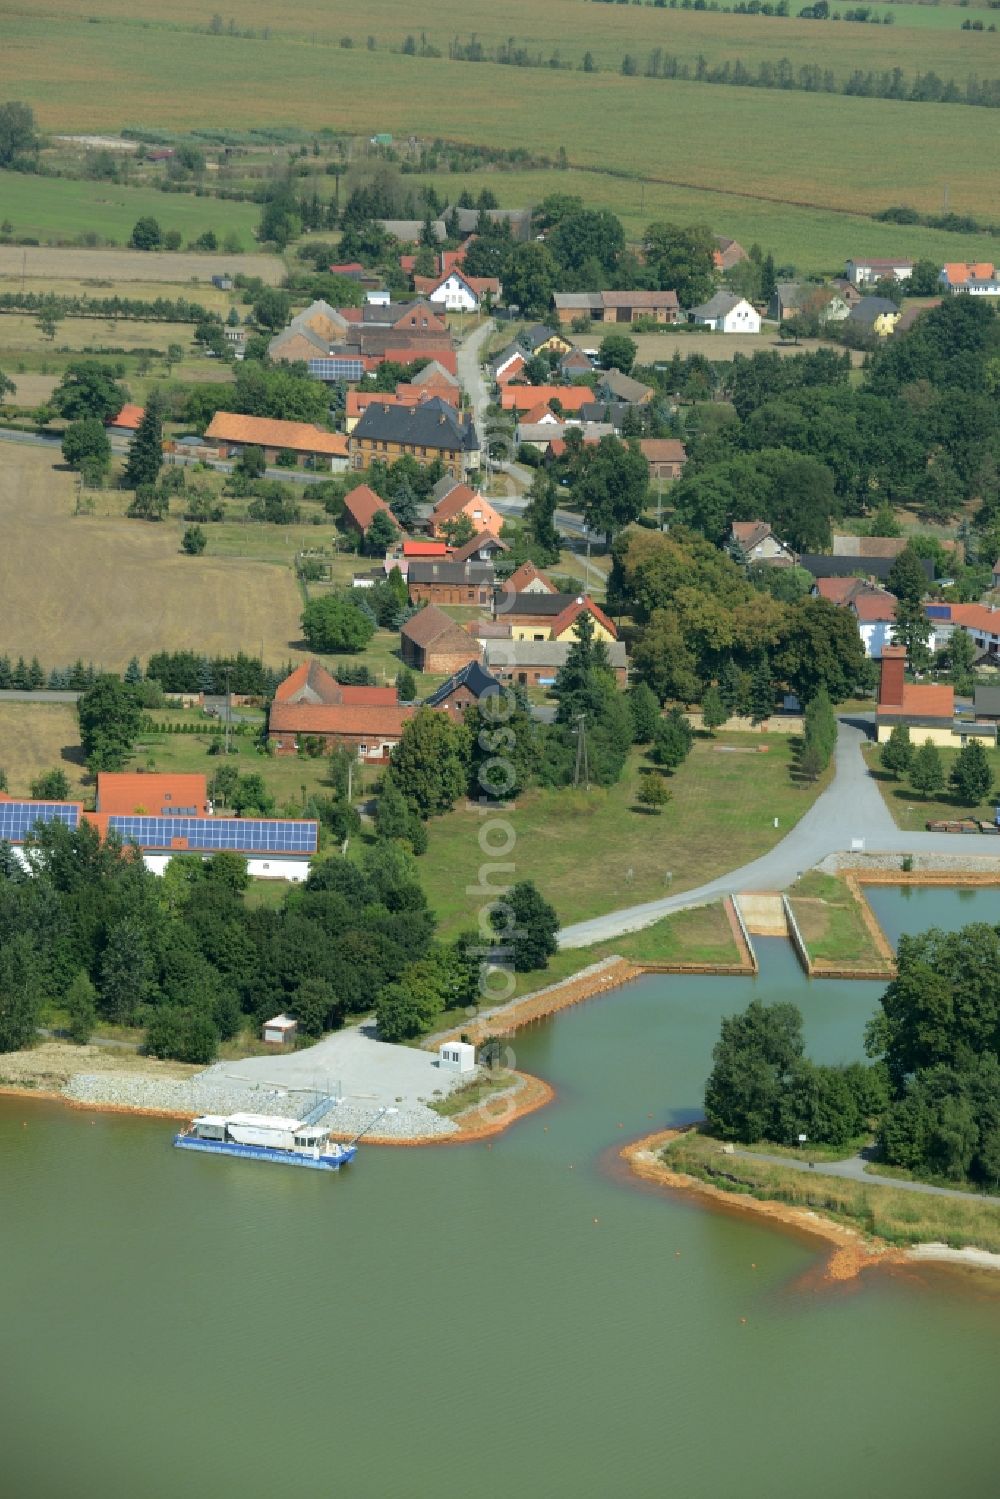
(726, 313)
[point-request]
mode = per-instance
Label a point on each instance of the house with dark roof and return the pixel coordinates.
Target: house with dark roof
(469, 583)
(614, 386)
(877, 315)
(483, 547)
(823, 566)
(463, 689)
(431, 430)
(431, 641)
(537, 663)
(616, 306)
(539, 338)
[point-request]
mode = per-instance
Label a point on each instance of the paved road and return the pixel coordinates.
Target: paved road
(470, 371)
(43, 695)
(850, 808)
(853, 1168)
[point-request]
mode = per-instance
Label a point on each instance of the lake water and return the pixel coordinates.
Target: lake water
(453, 1321)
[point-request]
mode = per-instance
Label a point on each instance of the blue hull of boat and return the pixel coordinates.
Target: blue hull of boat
(263, 1153)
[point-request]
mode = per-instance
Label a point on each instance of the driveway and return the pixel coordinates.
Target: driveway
(851, 808)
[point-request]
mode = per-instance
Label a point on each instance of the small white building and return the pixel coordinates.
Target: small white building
(726, 313)
(867, 272)
(456, 1056)
(280, 1031)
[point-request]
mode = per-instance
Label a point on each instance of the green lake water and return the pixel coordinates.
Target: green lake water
(453, 1322)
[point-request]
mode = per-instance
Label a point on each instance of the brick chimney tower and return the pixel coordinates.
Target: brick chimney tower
(890, 687)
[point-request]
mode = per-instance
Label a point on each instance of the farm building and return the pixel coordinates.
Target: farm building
(726, 313)
(313, 448)
(537, 663)
(362, 505)
(469, 583)
(126, 423)
(463, 689)
(432, 641)
(666, 456)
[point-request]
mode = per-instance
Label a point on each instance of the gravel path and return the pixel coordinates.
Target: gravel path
(854, 1169)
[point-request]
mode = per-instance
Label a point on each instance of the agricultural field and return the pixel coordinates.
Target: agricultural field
(108, 589)
(129, 273)
(655, 348)
(36, 737)
(58, 208)
(805, 167)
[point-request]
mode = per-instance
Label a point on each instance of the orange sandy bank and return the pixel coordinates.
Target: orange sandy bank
(851, 1253)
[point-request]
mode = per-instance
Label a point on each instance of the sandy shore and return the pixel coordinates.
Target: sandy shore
(851, 1251)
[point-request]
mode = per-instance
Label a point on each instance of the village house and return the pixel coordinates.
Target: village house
(457, 292)
(312, 683)
(981, 279)
(369, 731)
(528, 579)
(807, 298)
(574, 364)
(310, 334)
(867, 272)
(540, 339)
(537, 663)
(429, 431)
(356, 402)
(232, 433)
(666, 456)
(874, 609)
(754, 542)
(147, 793)
(453, 500)
(508, 364)
(431, 641)
(616, 306)
(126, 423)
(614, 386)
(468, 583)
(464, 689)
(483, 547)
(822, 565)
(876, 314)
(728, 253)
(361, 505)
(545, 435)
(726, 313)
(528, 397)
(549, 616)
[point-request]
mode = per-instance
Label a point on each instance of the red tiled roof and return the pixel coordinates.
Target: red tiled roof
(426, 549)
(525, 574)
(121, 794)
(427, 349)
(836, 590)
(363, 504)
(329, 690)
(921, 701)
(469, 548)
(430, 625)
(264, 432)
(872, 606)
(527, 397)
(130, 416)
(959, 272)
(381, 721)
(670, 450)
(572, 612)
(976, 617)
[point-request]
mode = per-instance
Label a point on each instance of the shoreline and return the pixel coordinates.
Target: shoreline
(851, 1251)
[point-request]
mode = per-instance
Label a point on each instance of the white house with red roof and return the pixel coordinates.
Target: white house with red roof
(977, 279)
(457, 292)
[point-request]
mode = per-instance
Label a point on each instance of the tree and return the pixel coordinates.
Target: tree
(381, 534)
(20, 993)
(146, 234)
(896, 754)
(681, 260)
(673, 740)
(926, 771)
(585, 238)
(761, 691)
(409, 1007)
(406, 685)
(250, 795)
(335, 623)
(960, 654)
(752, 1059)
(529, 278)
(17, 133)
(617, 352)
(53, 786)
(315, 1007)
(80, 1004)
(907, 579)
(526, 927)
(110, 718)
(612, 487)
(459, 529)
(251, 463)
(88, 389)
(430, 764)
(912, 630)
(85, 444)
(714, 712)
(403, 503)
(971, 777)
(644, 706)
(194, 541)
(820, 647)
(539, 518)
(145, 454)
(272, 307)
(653, 792)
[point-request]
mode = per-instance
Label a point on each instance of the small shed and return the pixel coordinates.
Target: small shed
(280, 1031)
(457, 1056)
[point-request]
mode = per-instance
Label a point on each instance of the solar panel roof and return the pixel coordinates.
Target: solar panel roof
(214, 834)
(17, 819)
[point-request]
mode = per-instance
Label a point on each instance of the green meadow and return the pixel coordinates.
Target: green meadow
(48, 207)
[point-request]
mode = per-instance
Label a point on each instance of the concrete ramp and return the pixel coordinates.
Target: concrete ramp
(763, 913)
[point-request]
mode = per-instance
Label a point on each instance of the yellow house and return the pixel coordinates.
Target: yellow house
(551, 616)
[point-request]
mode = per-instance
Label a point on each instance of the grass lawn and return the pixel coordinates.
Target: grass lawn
(832, 923)
(471, 1094)
(590, 852)
(912, 811)
(35, 737)
(701, 935)
(58, 208)
(899, 1217)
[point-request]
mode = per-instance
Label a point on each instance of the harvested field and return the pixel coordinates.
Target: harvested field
(35, 737)
(32, 390)
(107, 589)
(20, 334)
(129, 265)
(656, 348)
